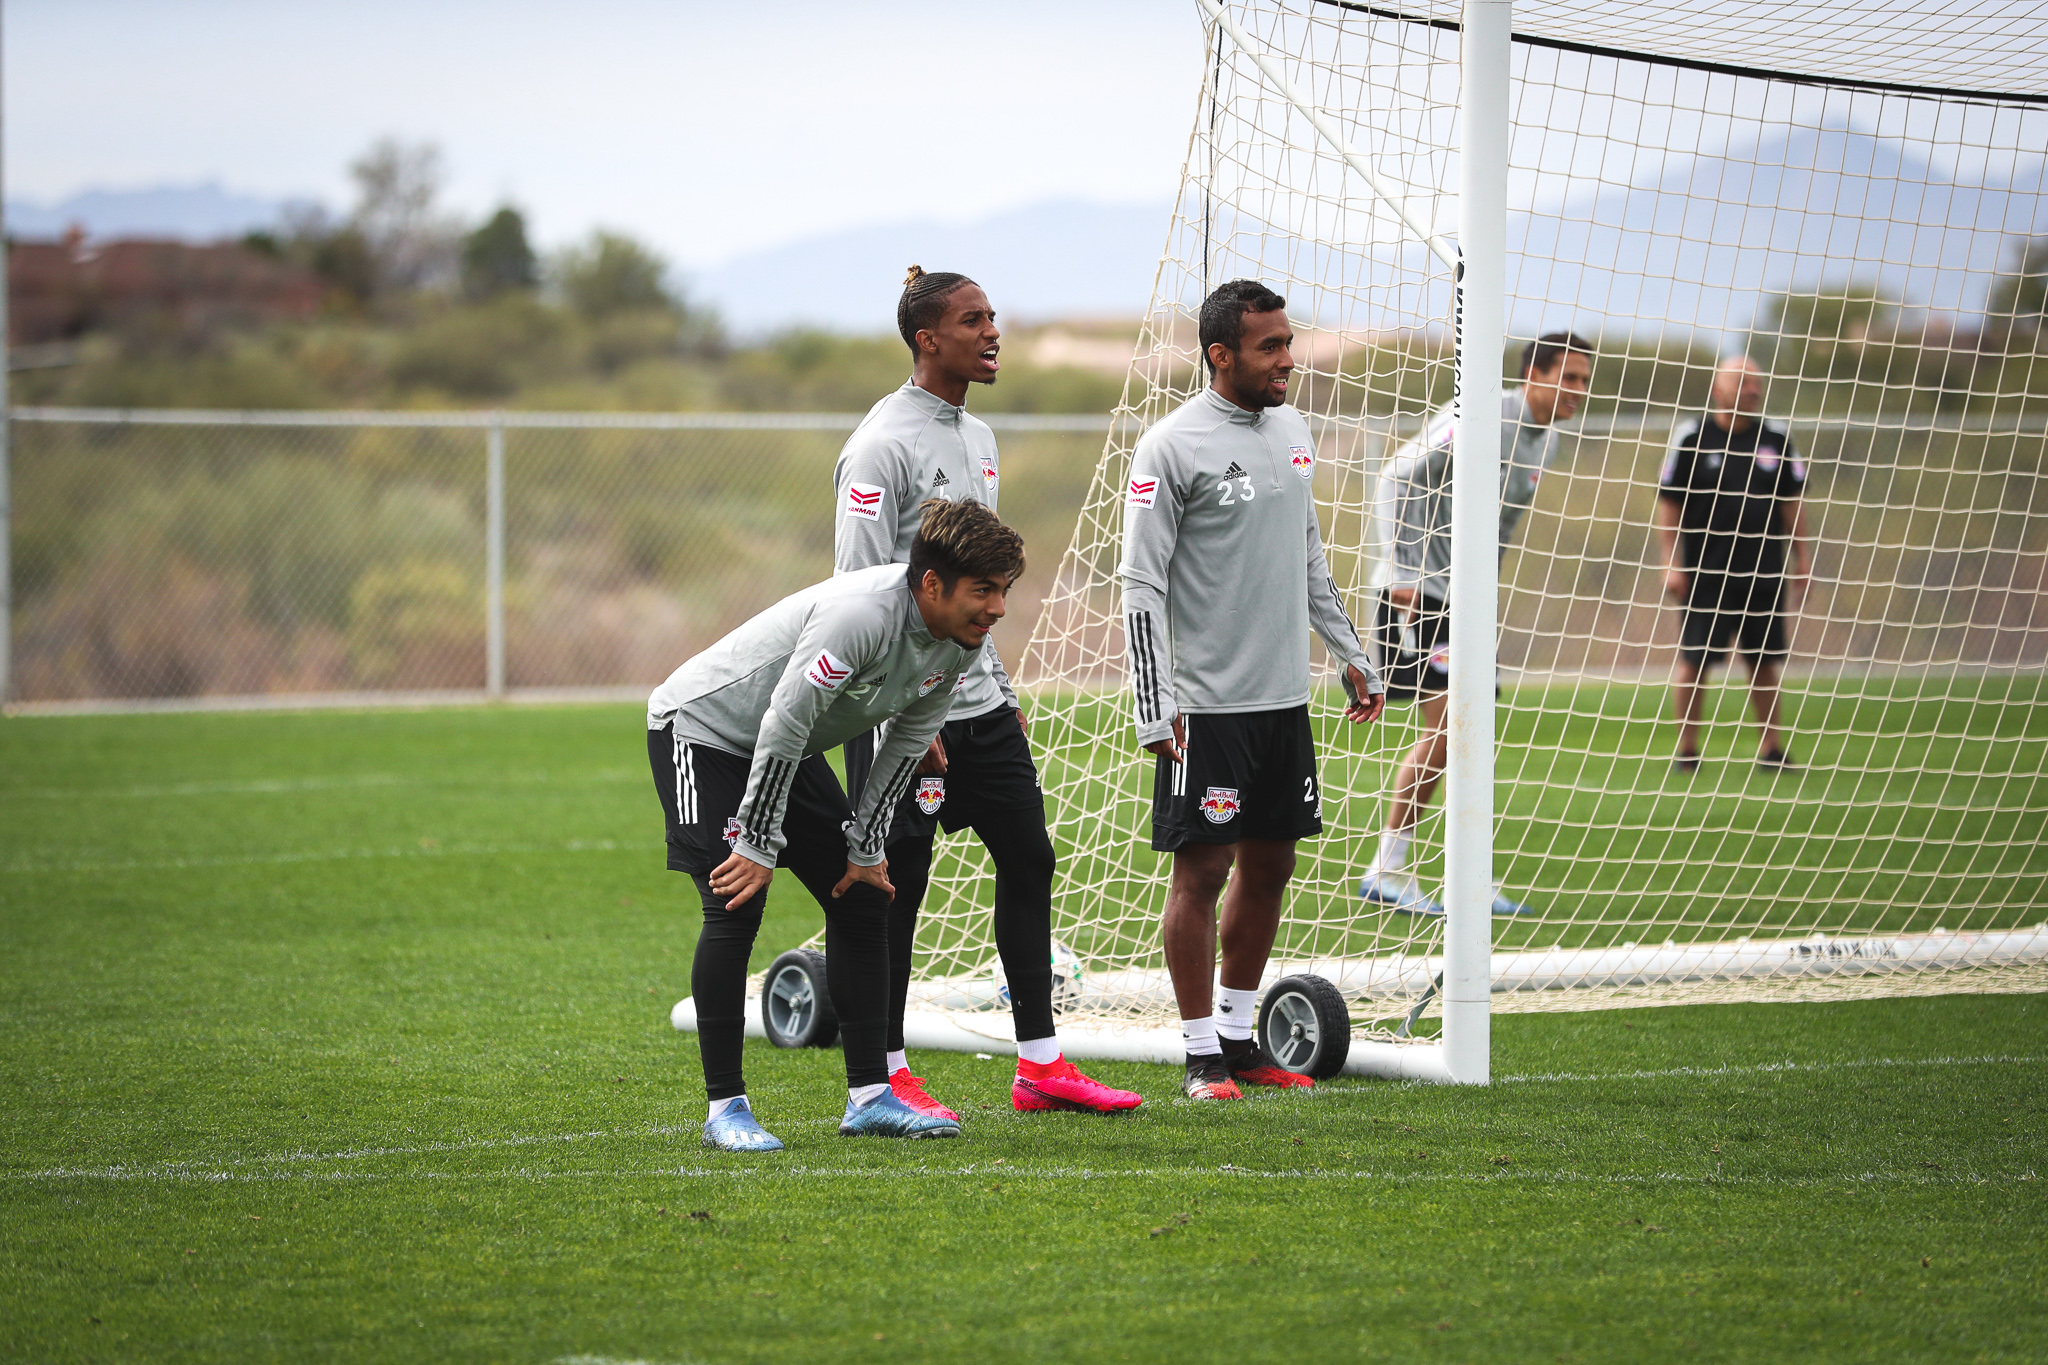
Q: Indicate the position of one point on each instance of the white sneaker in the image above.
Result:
(1399, 891)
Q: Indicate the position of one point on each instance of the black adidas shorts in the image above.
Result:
(989, 771)
(1749, 612)
(701, 789)
(1414, 656)
(1246, 775)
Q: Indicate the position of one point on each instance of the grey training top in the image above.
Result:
(1412, 509)
(911, 446)
(809, 673)
(1223, 569)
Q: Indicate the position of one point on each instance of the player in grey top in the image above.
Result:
(1412, 516)
(736, 739)
(1223, 574)
(920, 442)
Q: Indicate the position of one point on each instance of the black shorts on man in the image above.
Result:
(1244, 775)
(701, 790)
(989, 769)
(1747, 610)
(1414, 655)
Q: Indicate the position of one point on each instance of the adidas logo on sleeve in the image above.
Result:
(827, 672)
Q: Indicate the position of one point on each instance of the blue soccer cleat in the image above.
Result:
(736, 1131)
(1399, 892)
(1503, 905)
(887, 1116)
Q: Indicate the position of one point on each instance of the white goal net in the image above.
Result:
(1863, 210)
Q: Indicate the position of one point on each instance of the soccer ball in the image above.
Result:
(1066, 978)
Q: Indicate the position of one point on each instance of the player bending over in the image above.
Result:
(1729, 506)
(918, 443)
(736, 738)
(1413, 619)
(1223, 574)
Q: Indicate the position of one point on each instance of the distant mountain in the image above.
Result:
(1693, 243)
(1062, 258)
(194, 213)
(1705, 237)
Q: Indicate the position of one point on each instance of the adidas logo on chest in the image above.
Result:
(1236, 471)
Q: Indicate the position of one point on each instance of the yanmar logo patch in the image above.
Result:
(1304, 462)
(864, 500)
(826, 672)
(1143, 492)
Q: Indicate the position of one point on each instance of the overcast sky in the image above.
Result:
(708, 129)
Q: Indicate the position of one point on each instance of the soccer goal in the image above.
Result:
(1857, 200)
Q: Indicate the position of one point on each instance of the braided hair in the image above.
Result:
(924, 301)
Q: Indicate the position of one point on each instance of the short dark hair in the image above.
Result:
(963, 539)
(924, 301)
(1223, 313)
(1546, 352)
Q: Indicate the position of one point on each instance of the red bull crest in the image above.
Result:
(732, 830)
(1220, 805)
(931, 794)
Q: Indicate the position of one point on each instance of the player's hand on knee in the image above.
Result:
(739, 877)
(934, 762)
(876, 876)
(1677, 583)
(1175, 748)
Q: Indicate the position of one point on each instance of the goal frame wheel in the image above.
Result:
(1305, 1026)
(796, 1004)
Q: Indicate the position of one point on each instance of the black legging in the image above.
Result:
(856, 967)
(1022, 853)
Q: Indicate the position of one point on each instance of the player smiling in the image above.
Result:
(920, 442)
(1223, 575)
(736, 739)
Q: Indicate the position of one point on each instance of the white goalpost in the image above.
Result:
(1862, 209)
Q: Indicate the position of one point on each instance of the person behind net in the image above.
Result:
(1223, 574)
(919, 442)
(1412, 619)
(736, 739)
(1729, 506)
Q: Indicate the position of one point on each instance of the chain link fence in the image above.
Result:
(175, 557)
(211, 558)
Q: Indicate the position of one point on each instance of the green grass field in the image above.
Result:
(344, 1036)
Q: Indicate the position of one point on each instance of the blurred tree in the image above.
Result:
(2017, 313)
(496, 257)
(410, 243)
(612, 273)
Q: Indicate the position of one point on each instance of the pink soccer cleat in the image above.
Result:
(1057, 1085)
(910, 1089)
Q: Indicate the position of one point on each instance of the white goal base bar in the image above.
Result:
(964, 1014)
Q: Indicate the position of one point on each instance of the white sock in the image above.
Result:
(1199, 1037)
(898, 1061)
(1394, 850)
(862, 1095)
(718, 1108)
(1236, 1013)
(1041, 1051)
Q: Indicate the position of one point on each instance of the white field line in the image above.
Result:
(770, 1169)
(271, 786)
(334, 856)
(233, 1169)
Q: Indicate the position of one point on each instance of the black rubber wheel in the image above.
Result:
(1305, 1026)
(796, 1006)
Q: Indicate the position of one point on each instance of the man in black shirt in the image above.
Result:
(1728, 510)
